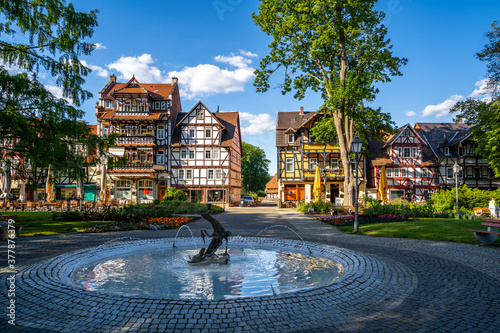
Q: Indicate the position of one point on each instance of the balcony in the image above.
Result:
(329, 173)
(135, 167)
(135, 140)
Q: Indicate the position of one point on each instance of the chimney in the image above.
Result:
(301, 110)
(217, 109)
(174, 80)
(113, 78)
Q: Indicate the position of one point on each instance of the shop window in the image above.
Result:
(122, 189)
(215, 195)
(145, 189)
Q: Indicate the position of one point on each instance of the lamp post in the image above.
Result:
(456, 170)
(223, 191)
(356, 146)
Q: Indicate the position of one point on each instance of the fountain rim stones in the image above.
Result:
(347, 259)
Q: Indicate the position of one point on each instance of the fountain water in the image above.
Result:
(177, 234)
(286, 227)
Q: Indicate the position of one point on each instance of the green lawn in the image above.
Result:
(41, 224)
(448, 230)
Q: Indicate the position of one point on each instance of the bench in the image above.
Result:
(481, 210)
(487, 237)
(4, 230)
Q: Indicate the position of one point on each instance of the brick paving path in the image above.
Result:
(397, 285)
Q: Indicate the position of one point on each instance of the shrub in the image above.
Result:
(319, 207)
(346, 220)
(176, 194)
(445, 200)
(403, 207)
(261, 194)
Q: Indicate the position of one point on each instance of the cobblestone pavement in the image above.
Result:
(392, 285)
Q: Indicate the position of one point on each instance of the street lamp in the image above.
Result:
(223, 191)
(356, 146)
(456, 170)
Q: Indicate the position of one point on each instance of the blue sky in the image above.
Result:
(214, 46)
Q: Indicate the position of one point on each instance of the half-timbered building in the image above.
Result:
(410, 166)
(299, 155)
(453, 143)
(142, 114)
(205, 155)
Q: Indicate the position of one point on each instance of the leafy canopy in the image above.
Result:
(254, 168)
(485, 114)
(52, 35)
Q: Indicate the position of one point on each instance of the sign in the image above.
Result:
(146, 191)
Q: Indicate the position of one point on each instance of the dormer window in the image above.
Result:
(163, 105)
(290, 138)
(157, 105)
(446, 151)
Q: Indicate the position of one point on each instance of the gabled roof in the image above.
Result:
(185, 115)
(440, 135)
(157, 91)
(293, 120)
(395, 136)
(272, 185)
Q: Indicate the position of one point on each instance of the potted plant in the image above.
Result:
(136, 161)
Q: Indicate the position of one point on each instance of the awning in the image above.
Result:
(74, 185)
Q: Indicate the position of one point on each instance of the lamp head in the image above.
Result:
(356, 145)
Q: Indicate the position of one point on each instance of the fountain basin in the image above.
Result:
(158, 270)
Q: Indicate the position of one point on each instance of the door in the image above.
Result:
(161, 192)
(334, 192)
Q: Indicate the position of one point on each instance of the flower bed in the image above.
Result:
(153, 223)
(345, 220)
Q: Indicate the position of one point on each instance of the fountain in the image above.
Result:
(208, 256)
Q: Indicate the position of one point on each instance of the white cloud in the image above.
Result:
(206, 79)
(411, 113)
(481, 90)
(256, 124)
(57, 92)
(141, 67)
(99, 46)
(248, 54)
(97, 69)
(442, 109)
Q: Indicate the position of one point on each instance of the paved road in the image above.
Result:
(451, 287)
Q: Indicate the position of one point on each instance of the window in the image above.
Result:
(334, 163)
(122, 189)
(425, 173)
(160, 158)
(407, 132)
(181, 174)
(163, 105)
(403, 172)
(400, 152)
(208, 133)
(406, 152)
(145, 189)
(428, 195)
(414, 152)
(191, 154)
(143, 156)
(313, 162)
(105, 130)
(127, 106)
(157, 105)
(449, 172)
(396, 172)
(143, 129)
(208, 154)
(160, 132)
(388, 172)
(183, 154)
(200, 114)
(215, 154)
(289, 165)
(290, 138)
(108, 104)
(210, 174)
(191, 133)
(215, 195)
(446, 150)
(189, 174)
(218, 174)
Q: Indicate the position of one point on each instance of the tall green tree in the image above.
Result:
(485, 113)
(39, 37)
(254, 168)
(338, 48)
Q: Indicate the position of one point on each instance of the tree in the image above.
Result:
(337, 48)
(491, 54)
(485, 114)
(254, 168)
(35, 126)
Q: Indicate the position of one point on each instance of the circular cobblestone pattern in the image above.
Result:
(48, 300)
